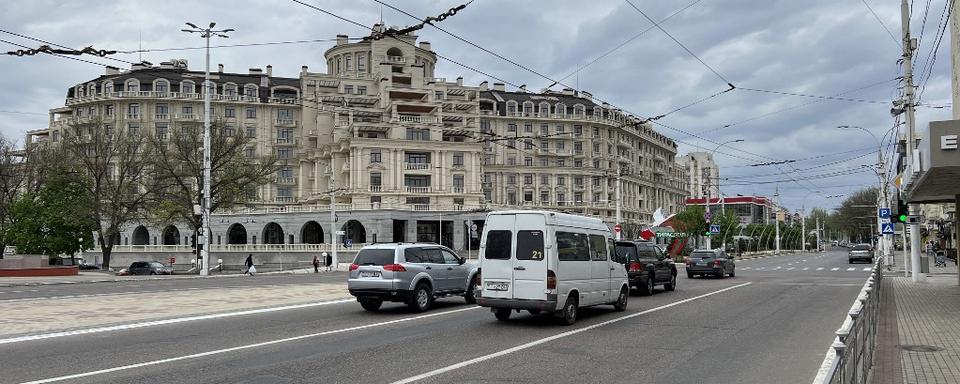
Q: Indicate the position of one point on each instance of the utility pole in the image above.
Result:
(619, 203)
(776, 220)
(909, 104)
(204, 238)
(818, 234)
(803, 232)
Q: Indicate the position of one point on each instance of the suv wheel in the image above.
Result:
(569, 310)
(472, 290)
(647, 289)
(733, 272)
(371, 305)
(672, 284)
(502, 314)
(422, 298)
(621, 304)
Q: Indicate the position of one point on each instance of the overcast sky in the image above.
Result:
(819, 47)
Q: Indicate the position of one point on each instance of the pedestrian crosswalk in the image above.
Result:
(781, 269)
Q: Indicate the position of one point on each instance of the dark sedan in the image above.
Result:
(148, 268)
(710, 262)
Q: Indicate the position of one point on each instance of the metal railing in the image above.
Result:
(230, 248)
(851, 354)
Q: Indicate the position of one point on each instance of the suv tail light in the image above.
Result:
(551, 280)
(636, 267)
(394, 268)
(354, 266)
(716, 263)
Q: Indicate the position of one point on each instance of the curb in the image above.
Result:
(116, 280)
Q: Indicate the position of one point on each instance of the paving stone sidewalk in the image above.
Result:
(926, 332)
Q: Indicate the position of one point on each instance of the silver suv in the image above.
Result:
(412, 273)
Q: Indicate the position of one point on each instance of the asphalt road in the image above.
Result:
(766, 325)
(89, 290)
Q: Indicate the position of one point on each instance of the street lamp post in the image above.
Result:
(204, 238)
(709, 244)
(803, 223)
(884, 200)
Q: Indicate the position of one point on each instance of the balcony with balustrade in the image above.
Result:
(417, 166)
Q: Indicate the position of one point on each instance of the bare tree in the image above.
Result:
(115, 160)
(236, 171)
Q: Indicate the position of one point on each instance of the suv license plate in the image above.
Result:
(369, 273)
(498, 286)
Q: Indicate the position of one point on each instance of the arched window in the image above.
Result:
(132, 85)
(92, 90)
(229, 89)
(511, 107)
(528, 108)
(108, 87)
(579, 110)
(544, 109)
(250, 90)
(561, 109)
(161, 86)
(396, 52)
(598, 112)
(187, 86)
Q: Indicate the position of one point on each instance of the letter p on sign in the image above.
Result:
(948, 142)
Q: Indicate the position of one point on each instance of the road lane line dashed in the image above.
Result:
(807, 268)
(555, 337)
(820, 268)
(835, 269)
(866, 269)
(155, 323)
(255, 345)
(791, 268)
(851, 269)
(745, 268)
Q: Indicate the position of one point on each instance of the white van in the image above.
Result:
(547, 261)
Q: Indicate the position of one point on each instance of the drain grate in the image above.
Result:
(921, 348)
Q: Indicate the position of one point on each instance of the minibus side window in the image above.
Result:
(529, 245)
(598, 248)
(572, 246)
(498, 245)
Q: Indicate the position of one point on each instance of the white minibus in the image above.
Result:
(552, 262)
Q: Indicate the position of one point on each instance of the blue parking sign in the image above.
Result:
(883, 213)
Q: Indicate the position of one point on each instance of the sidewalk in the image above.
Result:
(918, 335)
(106, 277)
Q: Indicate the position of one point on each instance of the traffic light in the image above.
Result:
(899, 212)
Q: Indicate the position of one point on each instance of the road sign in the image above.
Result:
(341, 233)
(887, 229)
(173, 260)
(715, 228)
(883, 213)
(617, 228)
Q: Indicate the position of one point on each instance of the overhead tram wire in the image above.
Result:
(632, 38)
(284, 42)
(875, 16)
(57, 55)
(58, 45)
(932, 57)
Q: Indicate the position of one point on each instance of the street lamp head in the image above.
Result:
(228, 30)
(223, 36)
(192, 25)
(212, 24)
(187, 30)
(738, 141)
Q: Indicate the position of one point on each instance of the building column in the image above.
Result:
(458, 234)
(441, 170)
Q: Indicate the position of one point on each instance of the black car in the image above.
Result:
(149, 268)
(647, 266)
(713, 262)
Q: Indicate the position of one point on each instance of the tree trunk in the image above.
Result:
(105, 250)
(3, 249)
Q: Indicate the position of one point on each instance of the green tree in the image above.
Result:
(12, 182)
(55, 220)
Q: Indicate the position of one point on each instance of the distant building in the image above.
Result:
(750, 209)
(702, 173)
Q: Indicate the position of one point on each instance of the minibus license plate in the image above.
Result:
(497, 286)
(369, 273)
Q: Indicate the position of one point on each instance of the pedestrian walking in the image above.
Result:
(251, 269)
(316, 264)
(328, 261)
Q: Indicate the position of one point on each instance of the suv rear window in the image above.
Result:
(626, 251)
(498, 245)
(703, 254)
(861, 247)
(374, 257)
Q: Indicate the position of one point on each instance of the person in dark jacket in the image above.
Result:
(316, 264)
(249, 264)
(328, 261)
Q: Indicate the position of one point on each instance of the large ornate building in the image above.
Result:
(407, 156)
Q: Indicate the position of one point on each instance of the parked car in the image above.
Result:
(146, 268)
(647, 266)
(543, 261)
(714, 262)
(412, 273)
(860, 252)
(85, 265)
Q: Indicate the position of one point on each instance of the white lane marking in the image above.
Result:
(555, 337)
(155, 323)
(791, 268)
(851, 269)
(835, 269)
(806, 268)
(819, 268)
(777, 268)
(759, 268)
(745, 268)
(242, 347)
(866, 269)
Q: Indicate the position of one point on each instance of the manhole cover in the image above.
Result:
(921, 348)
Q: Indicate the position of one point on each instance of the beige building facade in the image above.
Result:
(703, 174)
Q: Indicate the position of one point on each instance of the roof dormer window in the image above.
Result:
(132, 85)
(161, 86)
(250, 90)
(230, 89)
(187, 86)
